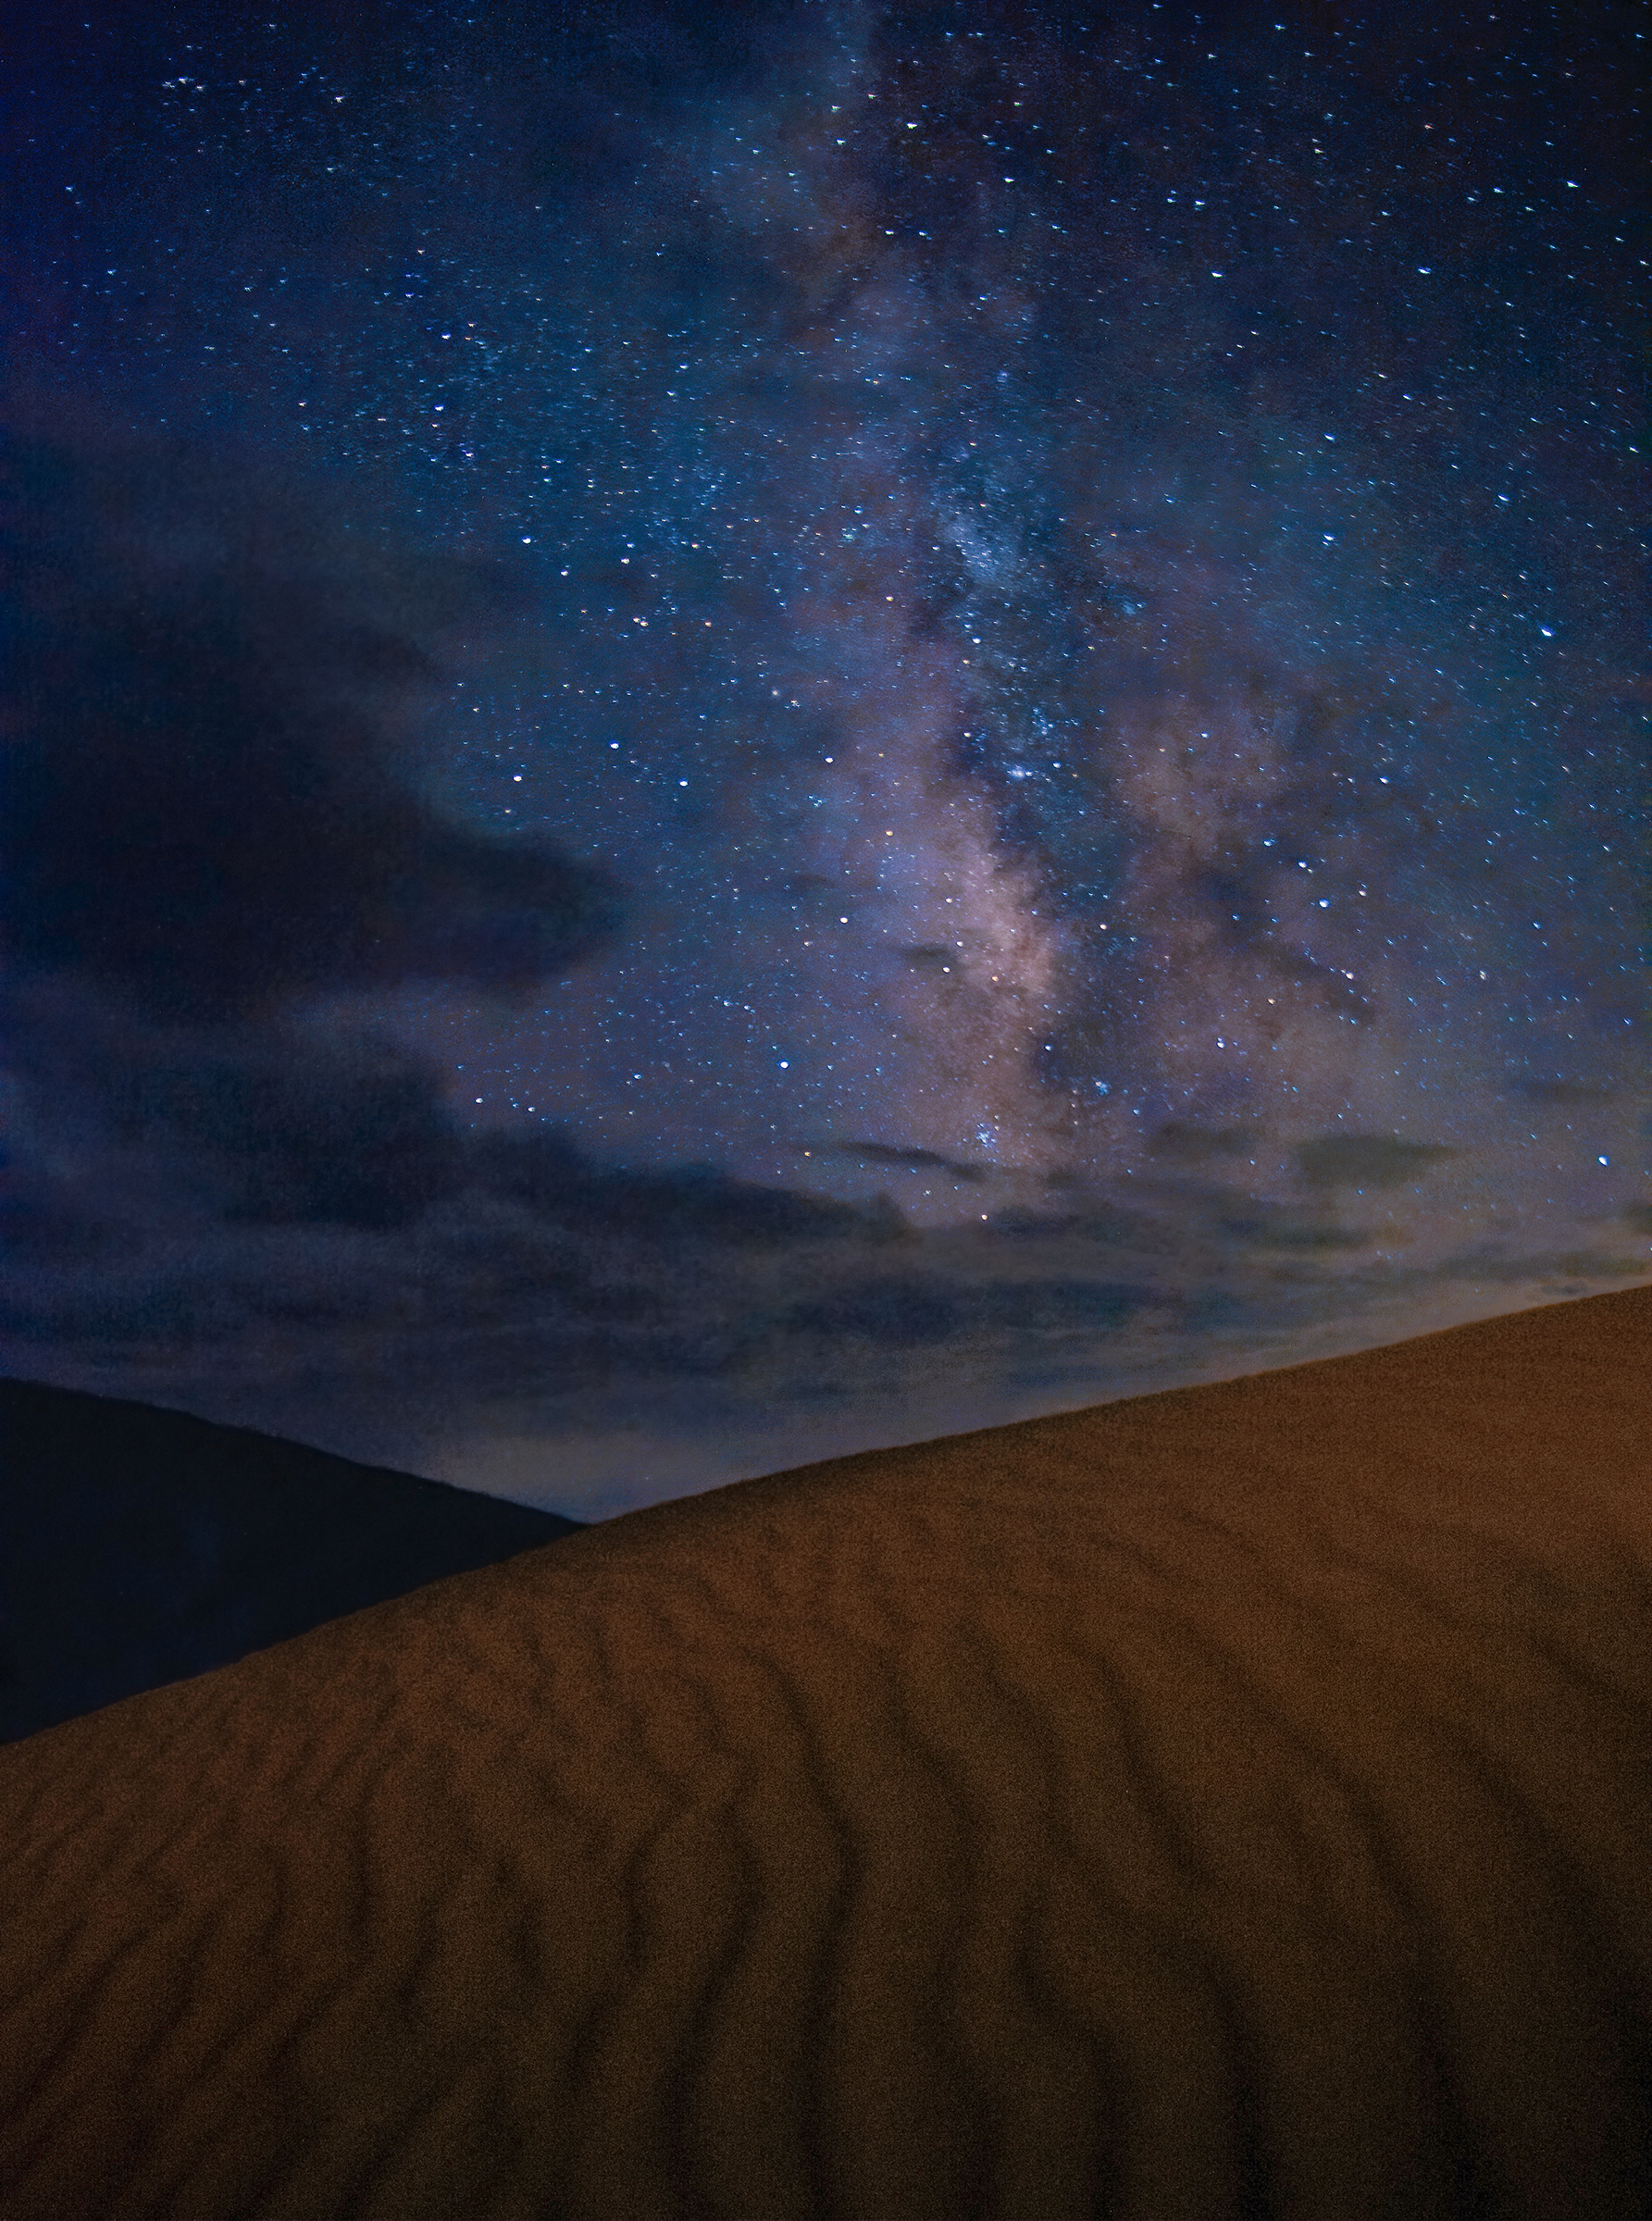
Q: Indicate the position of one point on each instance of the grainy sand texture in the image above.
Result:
(1235, 1801)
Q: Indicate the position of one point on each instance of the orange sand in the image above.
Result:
(1236, 1801)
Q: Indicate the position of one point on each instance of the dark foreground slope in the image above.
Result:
(1229, 1802)
(140, 1545)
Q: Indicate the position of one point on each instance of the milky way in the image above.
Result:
(1014, 636)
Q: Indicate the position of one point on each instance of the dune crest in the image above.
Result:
(1234, 1801)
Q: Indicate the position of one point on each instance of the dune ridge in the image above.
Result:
(1234, 1801)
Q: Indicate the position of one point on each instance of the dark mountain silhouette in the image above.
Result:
(142, 1545)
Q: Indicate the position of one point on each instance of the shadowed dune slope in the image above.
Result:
(1234, 1801)
(140, 1545)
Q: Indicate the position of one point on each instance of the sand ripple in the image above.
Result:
(1232, 1802)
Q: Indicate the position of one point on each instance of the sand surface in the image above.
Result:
(1236, 1801)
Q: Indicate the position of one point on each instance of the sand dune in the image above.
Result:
(1236, 1801)
(141, 1545)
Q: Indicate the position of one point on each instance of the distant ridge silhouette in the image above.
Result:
(141, 1545)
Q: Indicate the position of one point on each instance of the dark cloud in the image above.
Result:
(204, 813)
(1260, 1226)
(1583, 1093)
(877, 1152)
(690, 1203)
(1367, 1159)
(342, 1133)
(280, 1125)
(1181, 1143)
(906, 1313)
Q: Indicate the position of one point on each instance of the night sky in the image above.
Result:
(738, 731)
